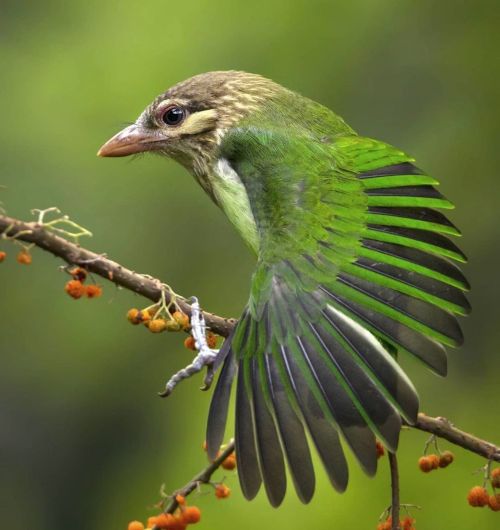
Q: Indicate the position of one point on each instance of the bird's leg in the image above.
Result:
(205, 357)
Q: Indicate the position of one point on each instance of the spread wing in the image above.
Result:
(355, 265)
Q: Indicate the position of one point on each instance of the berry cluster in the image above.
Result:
(408, 523)
(76, 287)
(155, 321)
(179, 520)
(478, 496)
(431, 462)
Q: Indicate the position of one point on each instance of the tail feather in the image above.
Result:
(292, 433)
(272, 465)
(323, 433)
(248, 465)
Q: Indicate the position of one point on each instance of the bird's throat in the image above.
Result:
(230, 195)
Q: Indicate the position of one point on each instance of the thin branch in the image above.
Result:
(152, 288)
(393, 464)
(443, 428)
(203, 477)
(99, 264)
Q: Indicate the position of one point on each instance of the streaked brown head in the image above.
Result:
(188, 121)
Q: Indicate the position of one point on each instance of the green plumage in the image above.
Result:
(320, 196)
(354, 266)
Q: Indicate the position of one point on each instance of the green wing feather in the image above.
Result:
(354, 261)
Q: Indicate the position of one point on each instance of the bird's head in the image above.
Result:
(189, 120)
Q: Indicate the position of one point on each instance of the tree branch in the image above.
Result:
(443, 428)
(203, 477)
(152, 288)
(73, 254)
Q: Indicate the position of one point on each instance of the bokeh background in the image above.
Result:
(84, 441)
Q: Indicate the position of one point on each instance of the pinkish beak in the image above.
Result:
(131, 140)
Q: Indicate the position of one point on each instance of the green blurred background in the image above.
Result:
(84, 441)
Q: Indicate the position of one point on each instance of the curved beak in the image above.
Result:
(131, 140)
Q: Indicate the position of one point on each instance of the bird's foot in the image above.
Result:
(206, 356)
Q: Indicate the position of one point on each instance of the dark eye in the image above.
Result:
(173, 115)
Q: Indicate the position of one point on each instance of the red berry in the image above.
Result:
(24, 257)
(494, 502)
(135, 525)
(446, 459)
(3, 255)
(434, 460)
(191, 515)
(425, 464)
(407, 523)
(189, 343)
(380, 449)
(478, 497)
(75, 289)
(230, 462)
(495, 477)
(93, 291)
(222, 491)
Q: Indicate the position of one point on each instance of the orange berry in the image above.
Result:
(425, 464)
(171, 522)
(164, 520)
(3, 255)
(93, 291)
(137, 316)
(152, 521)
(75, 289)
(157, 325)
(181, 500)
(495, 477)
(434, 460)
(191, 515)
(380, 449)
(222, 491)
(78, 274)
(478, 497)
(446, 459)
(211, 340)
(494, 502)
(24, 257)
(385, 525)
(230, 462)
(132, 315)
(135, 525)
(181, 318)
(407, 523)
(189, 343)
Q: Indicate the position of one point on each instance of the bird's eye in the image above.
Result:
(173, 115)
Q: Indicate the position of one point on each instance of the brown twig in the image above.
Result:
(443, 428)
(393, 464)
(203, 477)
(151, 288)
(73, 254)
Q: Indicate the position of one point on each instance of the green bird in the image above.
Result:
(354, 266)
